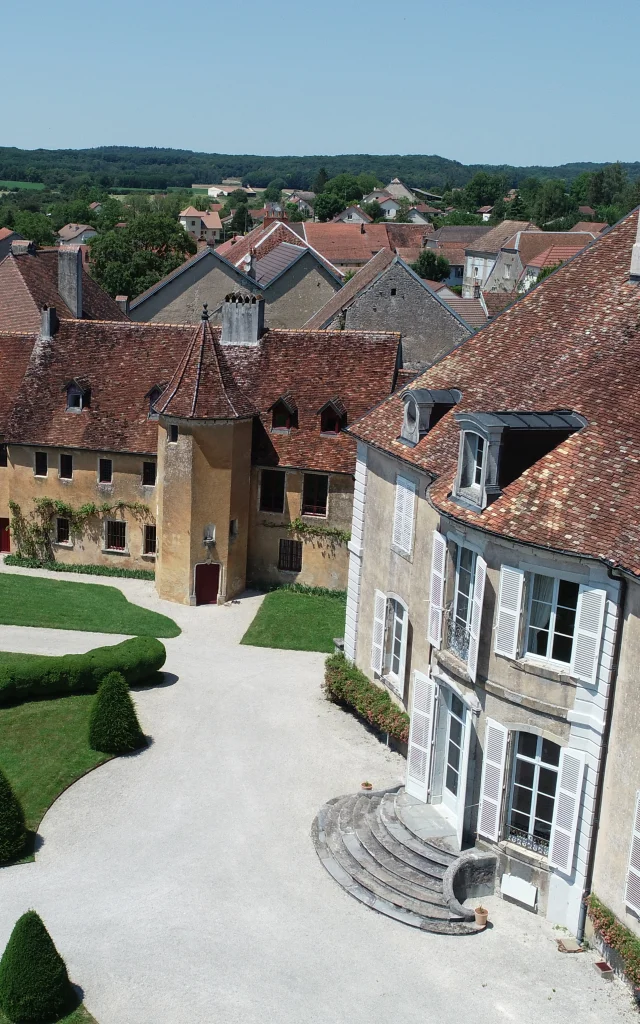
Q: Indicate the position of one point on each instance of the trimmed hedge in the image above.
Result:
(13, 833)
(34, 984)
(88, 570)
(347, 685)
(32, 676)
(114, 727)
(617, 936)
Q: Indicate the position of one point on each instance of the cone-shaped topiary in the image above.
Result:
(34, 984)
(13, 834)
(114, 727)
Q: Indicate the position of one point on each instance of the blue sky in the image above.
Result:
(482, 82)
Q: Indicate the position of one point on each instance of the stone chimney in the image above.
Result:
(123, 302)
(70, 278)
(635, 257)
(242, 319)
(48, 323)
(23, 247)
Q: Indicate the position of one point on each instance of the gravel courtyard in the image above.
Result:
(182, 886)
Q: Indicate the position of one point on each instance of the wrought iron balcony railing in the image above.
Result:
(527, 840)
(458, 636)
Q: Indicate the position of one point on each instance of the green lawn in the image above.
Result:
(22, 184)
(79, 1016)
(61, 604)
(297, 622)
(44, 748)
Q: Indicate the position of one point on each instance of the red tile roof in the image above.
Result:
(572, 342)
(596, 227)
(497, 301)
(553, 255)
(123, 362)
(471, 310)
(30, 281)
(6, 233)
(347, 243)
(529, 243)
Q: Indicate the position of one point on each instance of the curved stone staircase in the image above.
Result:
(374, 855)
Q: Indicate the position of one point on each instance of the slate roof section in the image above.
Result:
(30, 281)
(277, 261)
(345, 296)
(572, 342)
(123, 362)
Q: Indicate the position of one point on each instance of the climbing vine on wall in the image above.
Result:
(316, 530)
(31, 531)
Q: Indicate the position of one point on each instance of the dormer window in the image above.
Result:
(153, 396)
(78, 395)
(474, 447)
(423, 408)
(333, 417)
(284, 414)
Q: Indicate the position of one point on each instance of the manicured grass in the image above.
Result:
(44, 748)
(79, 1016)
(58, 604)
(297, 622)
(22, 184)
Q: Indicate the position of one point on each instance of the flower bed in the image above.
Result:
(617, 937)
(345, 684)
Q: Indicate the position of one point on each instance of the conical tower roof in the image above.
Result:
(203, 386)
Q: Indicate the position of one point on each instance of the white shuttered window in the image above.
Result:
(566, 810)
(476, 616)
(509, 609)
(632, 890)
(425, 695)
(377, 637)
(493, 763)
(436, 606)
(588, 634)
(403, 514)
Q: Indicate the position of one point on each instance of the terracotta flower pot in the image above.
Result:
(481, 914)
(366, 785)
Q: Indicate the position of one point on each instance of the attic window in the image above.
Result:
(154, 395)
(284, 415)
(78, 395)
(423, 408)
(333, 417)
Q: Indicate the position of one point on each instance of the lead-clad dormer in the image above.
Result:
(497, 447)
(423, 407)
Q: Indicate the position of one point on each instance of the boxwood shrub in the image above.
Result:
(34, 984)
(113, 726)
(33, 676)
(88, 570)
(347, 685)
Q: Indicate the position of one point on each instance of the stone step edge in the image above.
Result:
(406, 838)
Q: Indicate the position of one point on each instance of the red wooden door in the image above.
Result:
(207, 582)
(5, 539)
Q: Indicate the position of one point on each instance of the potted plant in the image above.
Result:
(481, 914)
(366, 785)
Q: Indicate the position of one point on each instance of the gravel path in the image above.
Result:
(182, 886)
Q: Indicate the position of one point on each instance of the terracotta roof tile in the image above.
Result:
(597, 227)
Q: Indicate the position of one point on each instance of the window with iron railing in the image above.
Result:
(533, 792)
(459, 614)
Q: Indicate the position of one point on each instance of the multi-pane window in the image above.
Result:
(272, 483)
(149, 539)
(3, 455)
(395, 640)
(461, 606)
(116, 534)
(62, 531)
(105, 471)
(552, 617)
(290, 556)
(533, 791)
(149, 474)
(472, 461)
(66, 467)
(41, 464)
(314, 494)
(455, 728)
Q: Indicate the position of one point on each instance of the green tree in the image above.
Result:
(546, 271)
(346, 187)
(294, 213)
(402, 215)
(241, 221)
(328, 205)
(368, 182)
(129, 260)
(551, 201)
(113, 724)
(34, 984)
(374, 210)
(500, 211)
(273, 191)
(320, 181)
(457, 218)
(431, 265)
(516, 210)
(13, 834)
(35, 226)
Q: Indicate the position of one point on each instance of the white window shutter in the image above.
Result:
(493, 764)
(436, 607)
(403, 652)
(403, 514)
(586, 642)
(509, 606)
(423, 707)
(632, 890)
(476, 616)
(377, 639)
(566, 808)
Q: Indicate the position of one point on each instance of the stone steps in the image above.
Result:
(363, 844)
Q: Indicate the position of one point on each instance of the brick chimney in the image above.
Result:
(123, 302)
(242, 319)
(70, 278)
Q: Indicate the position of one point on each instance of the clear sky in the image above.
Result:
(481, 81)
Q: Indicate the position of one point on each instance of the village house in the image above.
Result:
(273, 262)
(481, 254)
(422, 213)
(353, 215)
(485, 212)
(518, 252)
(494, 588)
(75, 234)
(7, 237)
(387, 291)
(201, 224)
(450, 242)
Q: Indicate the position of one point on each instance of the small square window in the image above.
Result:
(393, 291)
(62, 531)
(105, 471)
(66, 467)
(272, 483)
(3, 455)
(150, 541)
(290, 556)
(148, 474)
(116, 534)
(173, 433)
(41, 464)
(74, 400)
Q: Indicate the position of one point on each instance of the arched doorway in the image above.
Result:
(207, 582)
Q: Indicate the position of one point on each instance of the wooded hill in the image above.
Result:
(152, 168)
